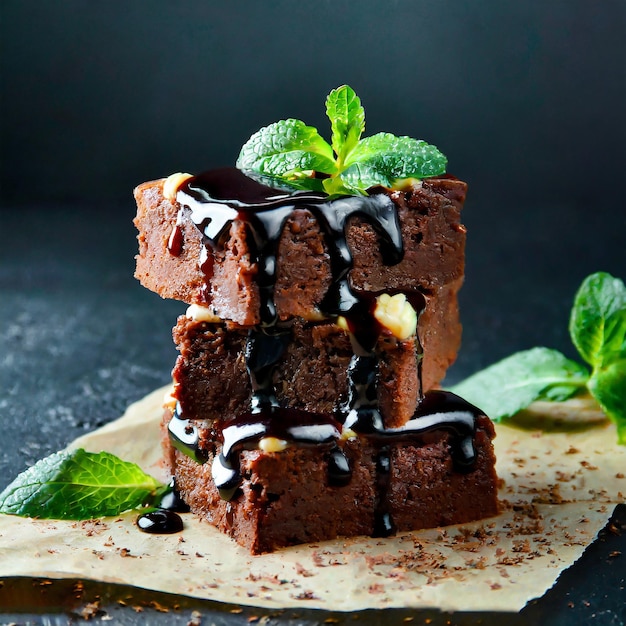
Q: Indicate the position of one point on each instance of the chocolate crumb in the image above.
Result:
(306, 595)
(588, 465)
(302, 571)
(125, 552)
(521, 546)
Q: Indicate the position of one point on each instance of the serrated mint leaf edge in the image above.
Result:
(383, 159)
(283, 137)
(482, 387)
(287, 165)
(355, 182)
(23, 496)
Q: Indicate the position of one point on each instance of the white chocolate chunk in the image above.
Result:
(342, 322)
(199, 313)
(169, 401)
(172, 183)
(396, 314)
(272, 444)
(406, 184)
(348, 433)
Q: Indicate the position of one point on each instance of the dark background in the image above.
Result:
(527, 100)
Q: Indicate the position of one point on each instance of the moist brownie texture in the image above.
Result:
(212, 381)
(305, 403)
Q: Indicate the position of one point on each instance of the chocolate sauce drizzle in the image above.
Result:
(294, 426)
(218, 197)
(215, 199)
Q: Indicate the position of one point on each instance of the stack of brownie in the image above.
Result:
(305, 404)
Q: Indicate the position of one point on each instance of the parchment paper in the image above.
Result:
(558, 490)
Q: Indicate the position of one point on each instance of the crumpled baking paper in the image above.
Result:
(558, 490)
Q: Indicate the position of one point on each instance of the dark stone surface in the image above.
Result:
(80, 340)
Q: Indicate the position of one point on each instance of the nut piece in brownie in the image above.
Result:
(302, 406)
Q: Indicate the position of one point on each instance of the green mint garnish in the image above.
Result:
(79, 485)
(294, 153)
(598, 330)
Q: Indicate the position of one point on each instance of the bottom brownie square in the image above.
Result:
(353, 485)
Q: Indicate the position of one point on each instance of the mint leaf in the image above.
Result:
(347, 120)
(597, 325)
(614, 344)
(284, 148)
(598, 330)
(79, 485)
(506, 387)
(608, 386)
(384, 158)
(291, 152)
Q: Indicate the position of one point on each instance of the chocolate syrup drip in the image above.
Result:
(436, 410)
(299, 427)
(339, 470)
(219, 197)
(165, 519)
(213, 201)
(361, 411)
(264, 348)
(383, 521)
(172, 501)
(161, 522)
(175, 242)
(185, 437)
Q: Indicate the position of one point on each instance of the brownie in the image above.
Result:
(212, 381)
(290, 497)
(305, 404)
(433, 237)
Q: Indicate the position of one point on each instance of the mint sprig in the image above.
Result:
(79, 485)
(597, 328)
(292, 152)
